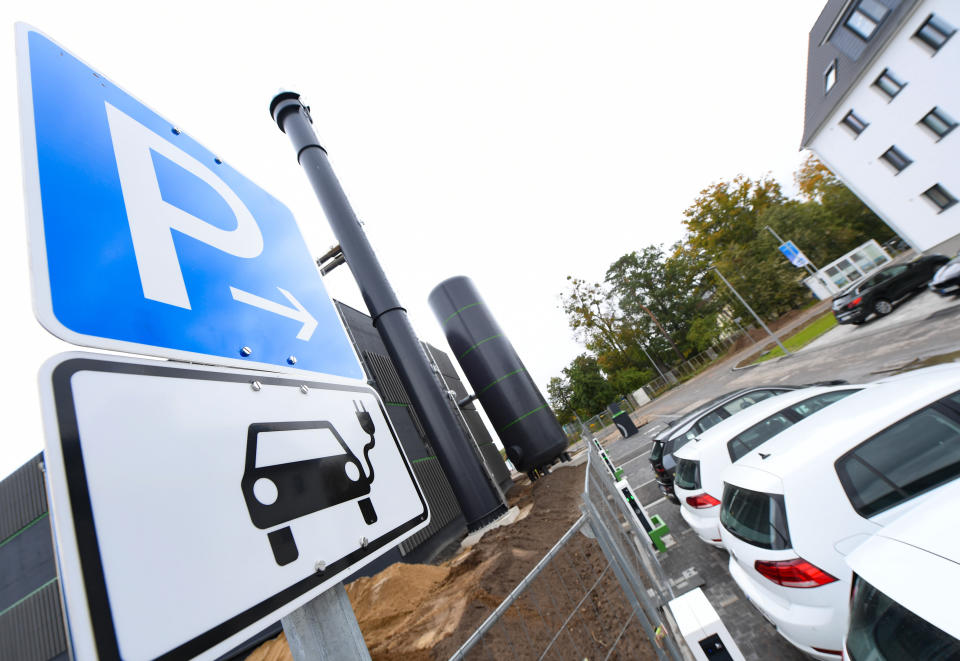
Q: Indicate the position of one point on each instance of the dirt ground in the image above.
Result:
(425, 612)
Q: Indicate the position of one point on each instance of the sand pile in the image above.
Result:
(426, 612)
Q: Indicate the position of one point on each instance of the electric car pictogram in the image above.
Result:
(278, 493)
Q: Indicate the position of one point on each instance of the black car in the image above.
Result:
(946, 281)
(877, 293)
(677, 433)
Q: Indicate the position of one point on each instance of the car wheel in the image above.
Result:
(883, 307)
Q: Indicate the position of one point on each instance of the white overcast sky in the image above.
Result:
(512, 142)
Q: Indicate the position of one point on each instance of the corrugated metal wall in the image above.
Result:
(31, 618)
(443, 504)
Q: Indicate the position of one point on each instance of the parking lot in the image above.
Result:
(920, 331)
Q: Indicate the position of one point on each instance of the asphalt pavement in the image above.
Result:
(921, 330)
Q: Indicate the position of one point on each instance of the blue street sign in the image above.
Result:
(143, 241)
(793, 254)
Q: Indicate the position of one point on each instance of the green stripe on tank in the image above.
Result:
(529, 413)
(620, 413)
(487, 387)
(417, 461)
(465, 307)
(486, 339)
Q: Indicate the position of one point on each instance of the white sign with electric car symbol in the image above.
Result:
(194, 506)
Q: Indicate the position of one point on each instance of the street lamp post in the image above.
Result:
(776, 339)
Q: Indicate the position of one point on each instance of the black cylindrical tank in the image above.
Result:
(520, 415)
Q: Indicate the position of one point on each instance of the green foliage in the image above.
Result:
(662, 306)
(662, 294)
(560, 392)
(704, 331)
(590, 392)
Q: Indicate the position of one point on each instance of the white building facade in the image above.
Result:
(882, 109)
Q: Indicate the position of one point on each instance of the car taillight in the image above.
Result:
(702, 501)
(855, 302)
(796, 573)
(826, 651)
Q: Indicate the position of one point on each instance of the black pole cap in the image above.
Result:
(283, 104)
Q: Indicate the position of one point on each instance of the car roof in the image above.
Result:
(915, 560)
(845, 424)
(743, 420)
(676, 426)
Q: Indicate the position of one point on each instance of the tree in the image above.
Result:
(725, 226)
(726, 213)
(818, 184)
(598, 323)
(560, 393)
(660, 293)
(590, 392)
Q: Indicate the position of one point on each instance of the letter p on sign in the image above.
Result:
(152, 218)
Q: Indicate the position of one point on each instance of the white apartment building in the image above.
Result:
(883, 100)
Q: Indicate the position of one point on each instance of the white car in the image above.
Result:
(698, 482)
(905, 582)
(820, 488)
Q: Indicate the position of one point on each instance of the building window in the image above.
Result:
(935, 32)
(830, 77)
(889, 85)
(940, 196)
(854, 123)
(939, 122)
(896, 158)
(865, 18)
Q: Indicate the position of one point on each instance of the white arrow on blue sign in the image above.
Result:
(142, 240)
(793, 254)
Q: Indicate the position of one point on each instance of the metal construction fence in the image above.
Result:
(658, 386)
(687, 367)
(599, 593)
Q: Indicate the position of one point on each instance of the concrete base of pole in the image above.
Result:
(325, 629)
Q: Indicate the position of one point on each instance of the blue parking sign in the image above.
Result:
(143, 241)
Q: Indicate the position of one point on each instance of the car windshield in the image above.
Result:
(758, 518)
(880, 628)
(688, 474)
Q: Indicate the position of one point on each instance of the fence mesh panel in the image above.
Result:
(597, 594)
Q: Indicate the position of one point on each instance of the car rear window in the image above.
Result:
(656, 454)
(758, 518)
(766, 429)
(880, 628)
(918, 453)
(757, 435)
(688, 474)
(748, 400)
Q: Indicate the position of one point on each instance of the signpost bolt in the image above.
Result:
(364, 541)
(256, 386)
(304, 389)
(320, 566)
(245, 351)
(291, 360)
(175, 130)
